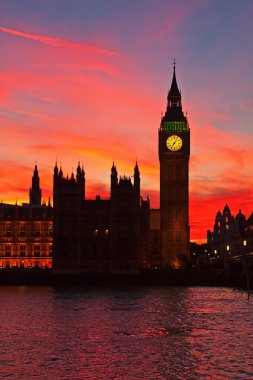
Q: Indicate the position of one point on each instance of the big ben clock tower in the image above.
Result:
(174, 154)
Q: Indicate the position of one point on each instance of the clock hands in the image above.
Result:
(174, 143)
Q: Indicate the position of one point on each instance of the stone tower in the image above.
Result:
(174, 154)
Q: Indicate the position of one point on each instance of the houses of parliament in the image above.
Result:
(119, 234)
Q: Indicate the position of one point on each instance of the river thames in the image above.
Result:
(125, 333)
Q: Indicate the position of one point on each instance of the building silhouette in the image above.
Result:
(116, 235)
(99, 235)
(228, 236)
(26, 232)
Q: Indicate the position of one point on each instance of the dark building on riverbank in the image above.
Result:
(99, 235)
(228, 237)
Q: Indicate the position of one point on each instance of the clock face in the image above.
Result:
(174, 143)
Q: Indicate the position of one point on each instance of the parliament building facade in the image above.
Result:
(119, 234)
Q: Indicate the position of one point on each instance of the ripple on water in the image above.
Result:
(142, 333)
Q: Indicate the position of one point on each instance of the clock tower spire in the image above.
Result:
(174, 154)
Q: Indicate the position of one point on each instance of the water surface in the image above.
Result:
(128, 333)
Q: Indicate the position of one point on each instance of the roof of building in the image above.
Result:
(25, 212)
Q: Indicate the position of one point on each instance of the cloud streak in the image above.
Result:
(58, 42)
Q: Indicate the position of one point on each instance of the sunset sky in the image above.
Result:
(87, 80)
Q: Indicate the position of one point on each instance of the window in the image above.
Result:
(227, 227)
(22, 250)
(8, 230)
(37, 230)
(22, 232)
(50, 230)
(95, 232)
(8, 250)
(36, 250)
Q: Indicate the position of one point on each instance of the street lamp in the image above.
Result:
(244, 246)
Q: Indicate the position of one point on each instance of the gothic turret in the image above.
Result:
(35, 191)
(80, 178)
(114, 178)
(137, 179)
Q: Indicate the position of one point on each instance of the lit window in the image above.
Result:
(244, 243)
(106, 232)
(228, 247)
(50, 230)
(95, 232)
(227, 227)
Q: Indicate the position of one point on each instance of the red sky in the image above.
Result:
(88, 82)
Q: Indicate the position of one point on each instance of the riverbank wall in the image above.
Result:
(189, 277)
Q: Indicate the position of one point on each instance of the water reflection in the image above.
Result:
(135, 333)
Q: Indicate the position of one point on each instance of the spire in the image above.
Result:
(174, 111)
(174, 96)
(35, 191)
(61, 172)
(114, 178)
(113, 169)
(137, 179)
(78, 169)
(174, 91)
(136, 168)
(56, 170)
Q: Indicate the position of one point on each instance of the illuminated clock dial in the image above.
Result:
(174, 143)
